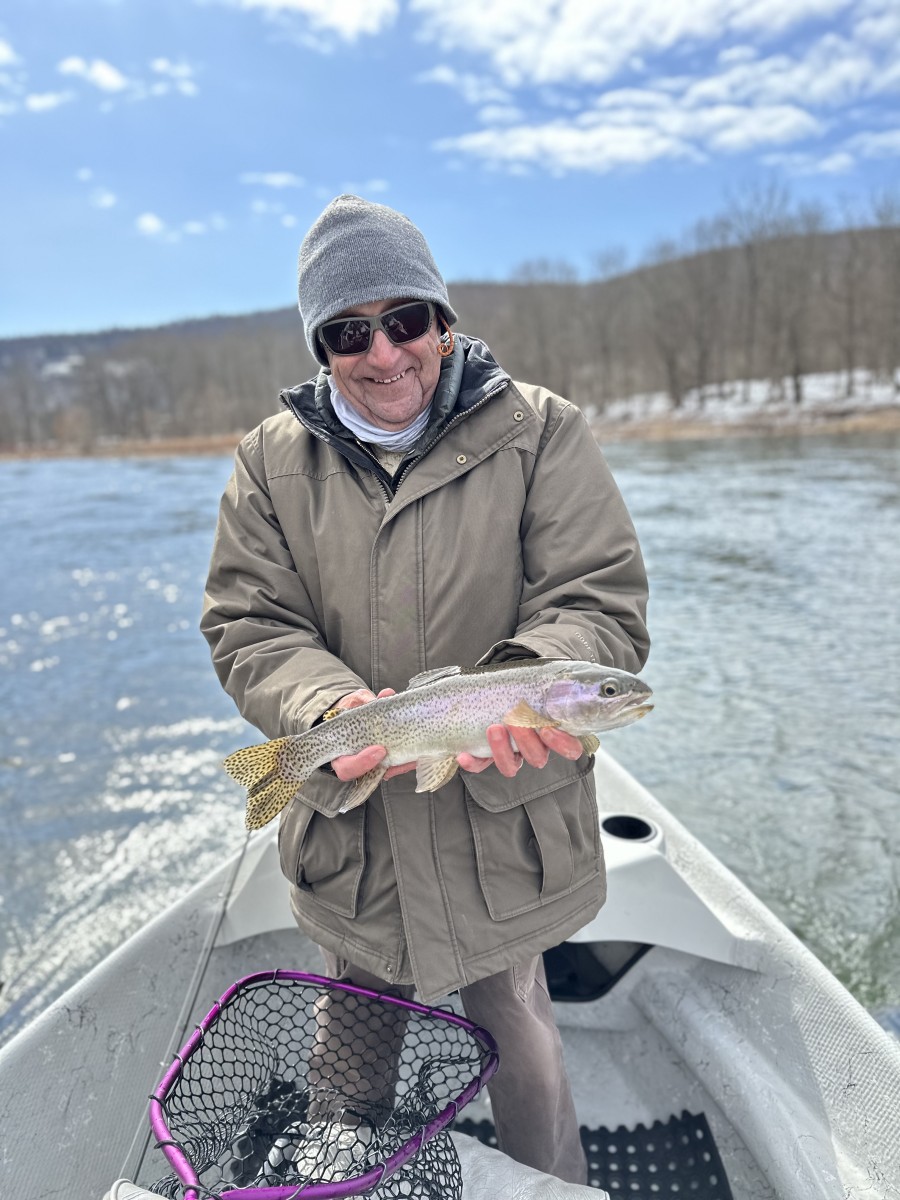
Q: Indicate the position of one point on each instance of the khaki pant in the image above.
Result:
(530, 1095)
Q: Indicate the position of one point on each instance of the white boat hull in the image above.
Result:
(728, 1014)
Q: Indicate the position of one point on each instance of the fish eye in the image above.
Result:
(610, 688)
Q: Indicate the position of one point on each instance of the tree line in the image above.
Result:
(768, 289)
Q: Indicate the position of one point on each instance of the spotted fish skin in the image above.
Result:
(441, 714)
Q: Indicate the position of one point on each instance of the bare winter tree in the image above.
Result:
(756, 213)
(885, 208)
(701, 279)
(605, 315)
(663, 315)
(764, 290)
(846, 273)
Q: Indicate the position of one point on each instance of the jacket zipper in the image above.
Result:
(446, 429)
(376, 465)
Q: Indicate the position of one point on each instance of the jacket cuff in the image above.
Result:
(507, 651)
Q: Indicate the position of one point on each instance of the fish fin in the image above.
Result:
(254, 763)
(523, 715)
(430, 676)
(433, 773)
(363, 787)
(258, 768)
(589, 743)
(510, 664)
(448, 672)
(266, 802)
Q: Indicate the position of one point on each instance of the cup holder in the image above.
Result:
(629, 828)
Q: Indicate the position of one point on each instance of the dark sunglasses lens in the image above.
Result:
(407, 323)
(346, 337)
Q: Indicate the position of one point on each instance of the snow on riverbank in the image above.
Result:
(830, 402)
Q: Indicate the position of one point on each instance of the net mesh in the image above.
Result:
(294, 1081)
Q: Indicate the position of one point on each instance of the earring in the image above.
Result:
(445, 349)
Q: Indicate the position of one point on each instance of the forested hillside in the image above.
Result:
(763, 292)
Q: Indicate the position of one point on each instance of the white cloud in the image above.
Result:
(878, 22)
(629, 128)
(288, 221)
(837, 163)
(176, 77)
(46, 101)
(104, 198)
(833, 72)
(349, 19)
(560, 113)
(368, 187)
(474, 89)
(150, 225)
(101, 74)
(8, 56)
(165, 66)
(562, 146)
(273, 179)
(573, 42)
(882, 144)
(84, 174)
(263, 208)
(500, 114)
(166, 77)
(737, 54)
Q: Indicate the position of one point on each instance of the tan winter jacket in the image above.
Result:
(507, 538)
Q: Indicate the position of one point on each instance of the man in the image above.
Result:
(414, 508)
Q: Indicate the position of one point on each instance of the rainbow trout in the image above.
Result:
(441, 714)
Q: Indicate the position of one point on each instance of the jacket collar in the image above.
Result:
(467, 376)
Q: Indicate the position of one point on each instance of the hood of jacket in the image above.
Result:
(468, 376)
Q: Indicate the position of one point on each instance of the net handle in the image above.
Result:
(316, 1191)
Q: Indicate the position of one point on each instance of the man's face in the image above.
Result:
(388, 385)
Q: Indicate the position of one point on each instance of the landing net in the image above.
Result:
(295, 1086)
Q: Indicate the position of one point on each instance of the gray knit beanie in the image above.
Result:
(358, 252)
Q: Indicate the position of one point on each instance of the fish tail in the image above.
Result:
(259, 769)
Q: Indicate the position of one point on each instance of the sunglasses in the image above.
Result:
(353, 335)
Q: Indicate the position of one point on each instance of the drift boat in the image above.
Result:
(711, 1054)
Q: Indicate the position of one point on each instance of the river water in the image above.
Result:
(775, 571)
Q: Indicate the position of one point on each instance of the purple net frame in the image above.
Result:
(183, 1168)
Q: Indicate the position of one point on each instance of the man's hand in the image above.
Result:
(351, 766)
(534, 746)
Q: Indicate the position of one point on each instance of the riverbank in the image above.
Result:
(670, 427)
(692, 427)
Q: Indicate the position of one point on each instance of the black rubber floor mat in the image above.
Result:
(678, 1158)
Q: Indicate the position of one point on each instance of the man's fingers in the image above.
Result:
(351, 766)
(401, 769)
(563, 743)
(473, 764)
(355, 699)
(530, 745)
(507, 760)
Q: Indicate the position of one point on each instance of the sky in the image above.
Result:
(162, 159)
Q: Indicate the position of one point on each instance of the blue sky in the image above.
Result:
(161, 159)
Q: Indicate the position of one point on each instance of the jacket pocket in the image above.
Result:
(539, 851)
(324, 856)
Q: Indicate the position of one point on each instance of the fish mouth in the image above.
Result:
(633, 710)
(640, 711)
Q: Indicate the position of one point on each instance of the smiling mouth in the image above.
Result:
(393, 378)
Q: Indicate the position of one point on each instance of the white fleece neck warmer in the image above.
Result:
(402, 439)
